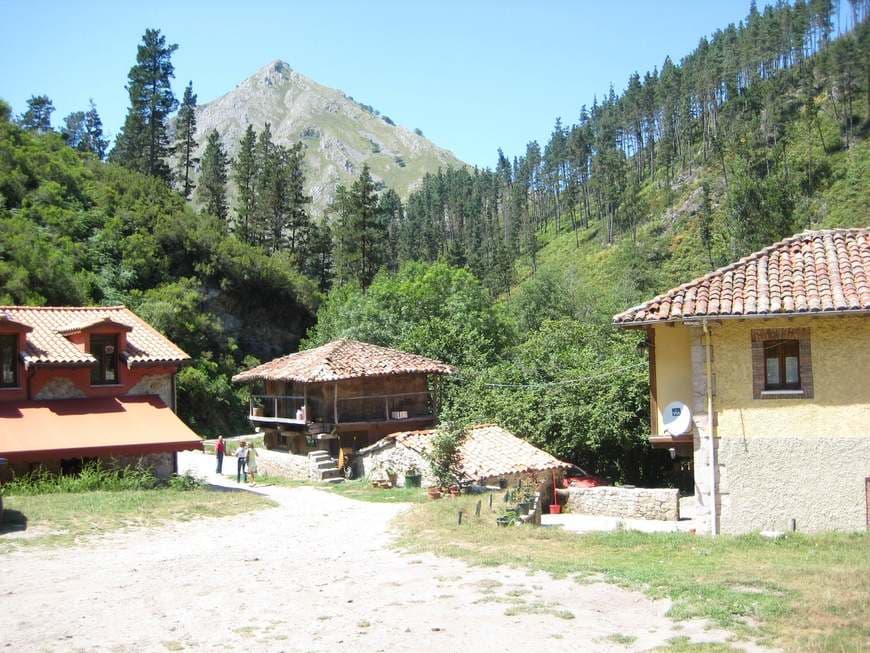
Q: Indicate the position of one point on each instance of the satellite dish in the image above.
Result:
(677, 418)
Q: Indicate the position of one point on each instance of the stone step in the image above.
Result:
(332, 472)
(318, 453)
(337, 479)
(323, 464)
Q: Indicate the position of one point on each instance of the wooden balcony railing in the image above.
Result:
(293, 409)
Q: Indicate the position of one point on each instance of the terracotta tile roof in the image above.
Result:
(343, 359)
(488, 451)
(47, 344)
(814, 272)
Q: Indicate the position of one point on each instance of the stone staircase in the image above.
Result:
(322, 467)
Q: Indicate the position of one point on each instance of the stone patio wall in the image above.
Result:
(630, 503)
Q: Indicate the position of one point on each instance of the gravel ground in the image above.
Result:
(315, 574)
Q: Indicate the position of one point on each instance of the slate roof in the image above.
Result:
(487, 451)
(47, 343)
(343, 359)
(814, 272)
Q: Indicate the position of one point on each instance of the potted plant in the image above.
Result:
(413, 477)
(393, 476)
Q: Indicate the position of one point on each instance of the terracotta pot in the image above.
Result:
(454, 490)
(434, 493)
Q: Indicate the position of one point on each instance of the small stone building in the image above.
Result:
(79, 383)
(490, 455)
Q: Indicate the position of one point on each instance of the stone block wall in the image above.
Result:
(279, 463)
(375, 463)
(155, 384)
(163, 464)
(629, 503)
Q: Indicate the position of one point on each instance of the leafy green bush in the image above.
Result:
(184, 482)
(444, 457)
(94, 476)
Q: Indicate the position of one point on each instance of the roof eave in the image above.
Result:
(697, 319)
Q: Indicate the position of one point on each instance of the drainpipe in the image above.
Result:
(714, 529)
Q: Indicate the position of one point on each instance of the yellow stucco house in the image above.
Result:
(771, 355)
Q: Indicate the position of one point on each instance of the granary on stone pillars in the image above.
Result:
(769, 358)
(343, 395)
(87, 382)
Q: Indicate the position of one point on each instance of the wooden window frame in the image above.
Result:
(782, 349)
(14, 338)
(98, 342)
(762, 338)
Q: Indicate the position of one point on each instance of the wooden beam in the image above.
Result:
(335, 402)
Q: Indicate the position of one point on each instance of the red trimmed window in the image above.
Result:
(9, 361)
(105, 349)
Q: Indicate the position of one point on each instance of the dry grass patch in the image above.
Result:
(65, 519)
(803, 593)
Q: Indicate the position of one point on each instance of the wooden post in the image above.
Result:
(387, 408)
(459, 518)
(335, 403)
(275, 406)
(304, 402)
(490, 501)
(477, 508)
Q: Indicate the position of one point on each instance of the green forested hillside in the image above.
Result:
(75, 230)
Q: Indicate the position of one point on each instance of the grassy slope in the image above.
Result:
(669, 252)
(804, 593)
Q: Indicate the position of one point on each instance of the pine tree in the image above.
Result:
(390, 205)
(360, 231)
(245, 177)
(73, 130)
(316, 258)
(38, 115)
(95, 142)
(297, 221)
(143, 143)
(185, 140)
(212, 189)
(83, 131)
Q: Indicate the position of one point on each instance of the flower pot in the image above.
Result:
(503, 521)
(454, 490)
(434, 493)
(413, 480)
(523, 507)
(555, 508)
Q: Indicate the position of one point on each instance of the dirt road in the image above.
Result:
(314, 574)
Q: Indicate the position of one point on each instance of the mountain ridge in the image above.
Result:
(339, 133)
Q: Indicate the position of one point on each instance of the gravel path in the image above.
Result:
(314, 574)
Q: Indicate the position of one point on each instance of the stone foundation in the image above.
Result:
(282, 464)
(374, 464)
(629, 503)
(163, 464)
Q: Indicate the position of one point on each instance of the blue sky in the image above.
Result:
(474, 76)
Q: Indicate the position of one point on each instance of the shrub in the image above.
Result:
(94, 476)
(443, 457)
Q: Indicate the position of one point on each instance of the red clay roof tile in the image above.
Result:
(812, 272)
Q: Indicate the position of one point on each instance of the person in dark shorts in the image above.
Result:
(220, 448)
(242, 462)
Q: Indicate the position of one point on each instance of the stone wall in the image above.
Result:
(630, 503)
(163, 464)
(374, 464)
(155, 384)
(818, 482)
(279, 463)
(59, 387)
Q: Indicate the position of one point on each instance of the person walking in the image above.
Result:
(242, 462)
(220, 448)
(252, 464)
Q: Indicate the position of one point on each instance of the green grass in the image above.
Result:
(65, 519)
(804, 593)
(362, 490)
